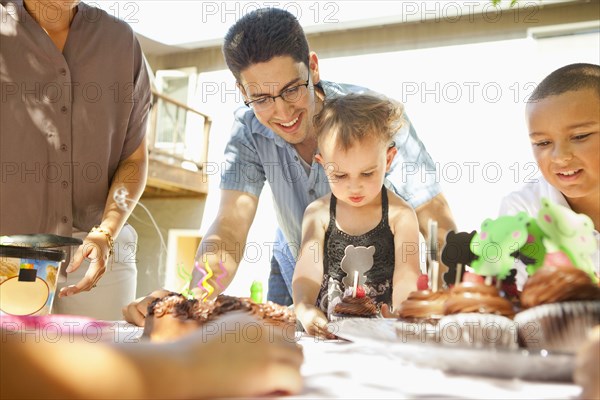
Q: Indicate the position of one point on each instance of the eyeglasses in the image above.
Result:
(290, 95)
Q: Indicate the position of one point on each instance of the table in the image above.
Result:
(341, 369)
(349, 370)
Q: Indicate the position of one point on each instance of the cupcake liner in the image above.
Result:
(365, 330)
(587, 366)
(557, 326)
(478, 330)
(417, 332)
(338, 317)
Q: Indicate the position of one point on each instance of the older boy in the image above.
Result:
(563, 119)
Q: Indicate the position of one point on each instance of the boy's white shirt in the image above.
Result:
(528, 199)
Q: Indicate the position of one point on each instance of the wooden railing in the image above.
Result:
(178, 137)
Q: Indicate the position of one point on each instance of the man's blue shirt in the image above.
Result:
(255, 155)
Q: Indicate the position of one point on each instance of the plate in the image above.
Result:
(54, 326)
(72, 324)
(39, 240)
(522, 364)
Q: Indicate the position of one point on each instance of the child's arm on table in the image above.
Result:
(308, 274)
(405, 227)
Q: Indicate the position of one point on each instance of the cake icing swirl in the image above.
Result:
(175, 304)
(423, 304)
(469, 297)
(362, 307)
(554, 284)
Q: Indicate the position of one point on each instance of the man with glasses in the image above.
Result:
(273, 140)
(290, 95)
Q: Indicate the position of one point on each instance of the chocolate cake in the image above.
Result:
(175, 315)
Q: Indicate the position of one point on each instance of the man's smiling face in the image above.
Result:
(291, 120)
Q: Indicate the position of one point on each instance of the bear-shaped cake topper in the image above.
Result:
(569, 232)
(356, 259)
(457, 252)
(496, 243)
(334, 295)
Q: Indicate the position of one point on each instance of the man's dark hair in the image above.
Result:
(566, 79)
(261, 35)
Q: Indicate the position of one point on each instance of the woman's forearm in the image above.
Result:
(131, 175)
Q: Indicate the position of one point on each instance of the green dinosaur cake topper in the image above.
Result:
(556, 230)
(569, 232)
(496, 242)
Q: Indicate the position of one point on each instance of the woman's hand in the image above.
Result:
(96, 248)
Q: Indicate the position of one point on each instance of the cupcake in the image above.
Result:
(471, 297)
(423, 306)
(561, 305)
(476, 315)
(419, 315)
(555, 284)
(354, 306)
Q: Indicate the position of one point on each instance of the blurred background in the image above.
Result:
(463, 69)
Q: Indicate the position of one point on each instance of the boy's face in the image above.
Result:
(291, 120)
(565, 135)
(356, 174)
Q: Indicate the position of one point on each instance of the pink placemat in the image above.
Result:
(60, 323)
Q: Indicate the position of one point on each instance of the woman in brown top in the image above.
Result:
(75, 102)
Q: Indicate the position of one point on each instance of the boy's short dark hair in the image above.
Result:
(568, 78)
(261, 35)
(358, 116)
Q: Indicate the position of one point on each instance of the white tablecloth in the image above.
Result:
(349, 370)
(340, 369)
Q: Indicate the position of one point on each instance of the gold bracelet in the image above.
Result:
(109, 238)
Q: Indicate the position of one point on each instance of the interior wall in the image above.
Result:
(169, 213)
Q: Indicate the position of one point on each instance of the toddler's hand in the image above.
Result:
(314, 322)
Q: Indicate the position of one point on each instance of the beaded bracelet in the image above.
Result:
(109, 239)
